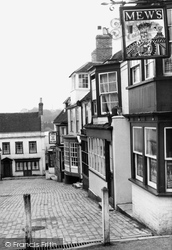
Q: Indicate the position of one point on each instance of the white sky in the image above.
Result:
(41, 43)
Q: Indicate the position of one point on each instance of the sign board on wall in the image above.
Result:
(52, 137)
(145, 32)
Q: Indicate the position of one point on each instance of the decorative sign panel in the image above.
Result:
(144, 32)
(52, 137)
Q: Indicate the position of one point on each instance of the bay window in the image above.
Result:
(96, 155)
(108, 91)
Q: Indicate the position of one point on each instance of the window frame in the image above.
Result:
(150, 158)
(16, 149)
(31, 151)
(148, 65)
(135, 64)
(137, 154)
(109, 93)
(6, 152)
(166, 158)
(96, 156)
(169, 59)
(83, 81)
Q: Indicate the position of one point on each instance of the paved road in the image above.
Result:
(59, 210)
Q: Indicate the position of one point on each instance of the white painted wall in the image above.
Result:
(124, 85)
(96, 184)
(25, 138)
(153, 211)
(121, 160)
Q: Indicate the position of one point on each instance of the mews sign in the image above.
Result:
(144, 32)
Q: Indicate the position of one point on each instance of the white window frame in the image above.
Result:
(169, 60)
(149, 66)
(96, 156)
(135, 66)
(137, 153)
(83, 81)
(167, 159)
(108, 92)
(149, 156)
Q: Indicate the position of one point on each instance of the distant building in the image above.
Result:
(22, 143)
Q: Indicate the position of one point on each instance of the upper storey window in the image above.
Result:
(168, 61)
(83, 81)
(135, 71)
(108, 91)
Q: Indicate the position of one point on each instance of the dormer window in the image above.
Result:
(108, 91)
(83, 81)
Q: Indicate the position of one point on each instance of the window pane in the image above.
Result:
(151, 145)
(139, 165)
(103, 78)
(152, 170)
(169, 175)
(138, 140)
(169, 143)
(112, 77)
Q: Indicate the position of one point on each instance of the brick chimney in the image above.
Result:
(40, 113)
(40, 108)
(103, 49)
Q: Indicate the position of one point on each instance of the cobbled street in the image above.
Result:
(59, 210)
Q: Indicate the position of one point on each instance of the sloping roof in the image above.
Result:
(86, 97)
(83, 68)
(117, 56)
(20, 122)
(61, 118)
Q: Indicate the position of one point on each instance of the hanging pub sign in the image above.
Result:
(52, 137)
(145, 33)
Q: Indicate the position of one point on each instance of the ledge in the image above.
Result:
(150, 189)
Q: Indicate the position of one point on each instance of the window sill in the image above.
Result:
(150, 189)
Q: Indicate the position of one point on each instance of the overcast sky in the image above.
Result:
(41, 43)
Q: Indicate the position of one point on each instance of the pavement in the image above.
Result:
(59, 210)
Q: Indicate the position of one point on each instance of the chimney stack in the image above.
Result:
(40, 110)
(103, 49)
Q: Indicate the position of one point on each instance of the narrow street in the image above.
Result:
(59, 211)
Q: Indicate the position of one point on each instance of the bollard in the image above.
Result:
(28, 226)
(105, 216)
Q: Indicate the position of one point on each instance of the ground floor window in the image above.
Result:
(22, 165)
(145, 154)
(138, 152)
(96, 155)
(168, 158)
(71, 153)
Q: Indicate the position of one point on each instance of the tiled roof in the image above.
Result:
(84, 68)
(61, 118)
(20, 122)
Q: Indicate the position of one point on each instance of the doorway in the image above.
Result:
(7, 167)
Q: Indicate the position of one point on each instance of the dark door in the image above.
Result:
(27, 171)
(7, 168)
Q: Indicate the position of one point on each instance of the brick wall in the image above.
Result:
(153, 211)
(103, 49)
